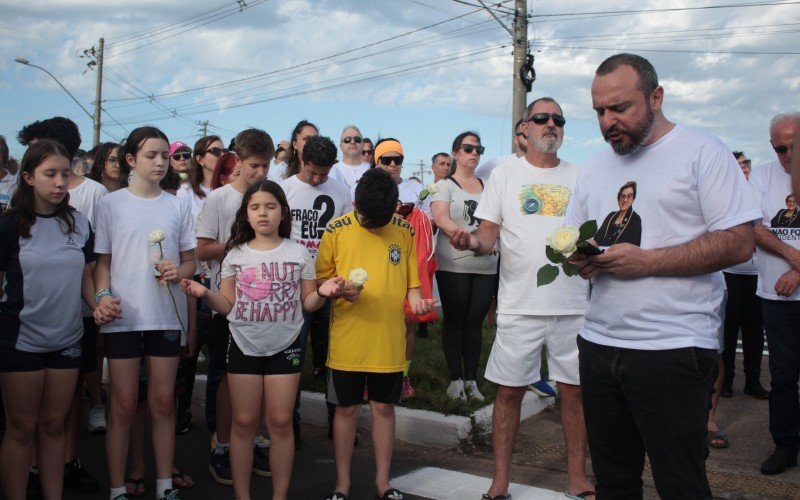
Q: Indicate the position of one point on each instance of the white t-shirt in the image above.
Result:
(749, 267)
(528, 203)
(215, 222)
(349, 174)
(84, 197)
(268, 313)
(8, 185)
(124, 222)
(277, 173)
(185, 192)
(462, 211)
(688, 185)
(484, 170)
(312, 207)
(771, 185)
(409, 193)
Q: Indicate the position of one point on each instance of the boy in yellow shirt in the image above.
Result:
(367, 333)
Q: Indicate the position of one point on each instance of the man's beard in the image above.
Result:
(548, 144)
(639, 136)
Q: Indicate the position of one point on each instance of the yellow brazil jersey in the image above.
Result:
(368, 335)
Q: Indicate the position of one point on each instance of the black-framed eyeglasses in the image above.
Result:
(469, 148)
(349, 139)
(367, 152)
(216, 151)
(745, 163)
(387, 160)
(781, 150)
(181, 156)
(628, 196)
(543, 118)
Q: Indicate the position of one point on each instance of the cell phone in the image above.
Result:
(589, 250)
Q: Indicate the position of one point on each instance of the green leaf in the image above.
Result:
(587, 230)
(423, 194)
(570, 269)
(552, 255)
(546, 275)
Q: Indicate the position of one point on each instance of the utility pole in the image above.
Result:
(98, 95)
(203, 128)
(520, 56)
(421, 172)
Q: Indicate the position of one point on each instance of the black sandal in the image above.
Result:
(336, 495)
(391, 494)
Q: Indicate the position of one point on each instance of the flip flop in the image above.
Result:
(717, 436)
(137, 484)
(181, 476)
(390, 494)
(580, 496)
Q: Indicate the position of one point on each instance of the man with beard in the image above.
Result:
(524, 201)
(648, 346)
(484, 170)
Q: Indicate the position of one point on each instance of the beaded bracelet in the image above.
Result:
(105, 292)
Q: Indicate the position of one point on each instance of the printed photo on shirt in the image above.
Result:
(623, 225)
(786, 217)
(544, 199)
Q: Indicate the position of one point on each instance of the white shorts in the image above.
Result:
(516, 353)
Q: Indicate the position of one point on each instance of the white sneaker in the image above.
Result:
(471, 388)
(456, 390)
(97, 419)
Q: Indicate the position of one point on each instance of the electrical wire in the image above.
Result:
(670, 9)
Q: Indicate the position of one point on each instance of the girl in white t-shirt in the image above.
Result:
(267, 282)
(145, 246)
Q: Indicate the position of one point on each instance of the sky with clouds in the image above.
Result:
(418, 70)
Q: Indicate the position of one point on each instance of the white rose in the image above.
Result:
(432, 188)
(358, 276)
(156, 236)
(563, 240)
(184, 176)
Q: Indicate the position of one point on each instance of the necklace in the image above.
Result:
(625, 220)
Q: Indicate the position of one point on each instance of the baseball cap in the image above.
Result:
(178, 145)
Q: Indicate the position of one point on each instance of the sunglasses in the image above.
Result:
(349, 139)
(182, 156)
(216, 151)
(543, 118)
(405, 209)
(366, 152)
(781, 150)
(469, 148)
(387, 160)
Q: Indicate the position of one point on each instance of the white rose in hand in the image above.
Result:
(432, 188)
(156, 236)
(358, 276)
(563, 240)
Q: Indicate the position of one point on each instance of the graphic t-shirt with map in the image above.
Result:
(528, 203)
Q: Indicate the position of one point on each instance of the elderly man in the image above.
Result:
(778, 240)
(524, 201)
(441, 166)
(352, 166)
(648, 346)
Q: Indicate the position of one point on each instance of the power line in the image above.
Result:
(308, 63)
(677, 51)
(671, 9)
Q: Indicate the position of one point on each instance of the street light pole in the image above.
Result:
(26, 62)
(98, 93)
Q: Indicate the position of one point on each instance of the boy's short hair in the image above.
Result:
(376, 198)
(254, 142)
(58, 128)
(321, 151)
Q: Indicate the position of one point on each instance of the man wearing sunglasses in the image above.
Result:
(484, 170)
(778, 279)
(352, 166)
(526, 199)
(649, 342)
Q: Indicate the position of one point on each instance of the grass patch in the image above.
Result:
(430, 377)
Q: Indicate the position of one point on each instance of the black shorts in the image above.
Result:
(89, 345)
(127, 345)
(218, 341)
(347, 388)
(14, 360)
(286, 362)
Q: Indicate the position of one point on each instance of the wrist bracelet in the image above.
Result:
(105, 292)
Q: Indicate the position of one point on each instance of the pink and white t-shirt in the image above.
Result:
(268, 313)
